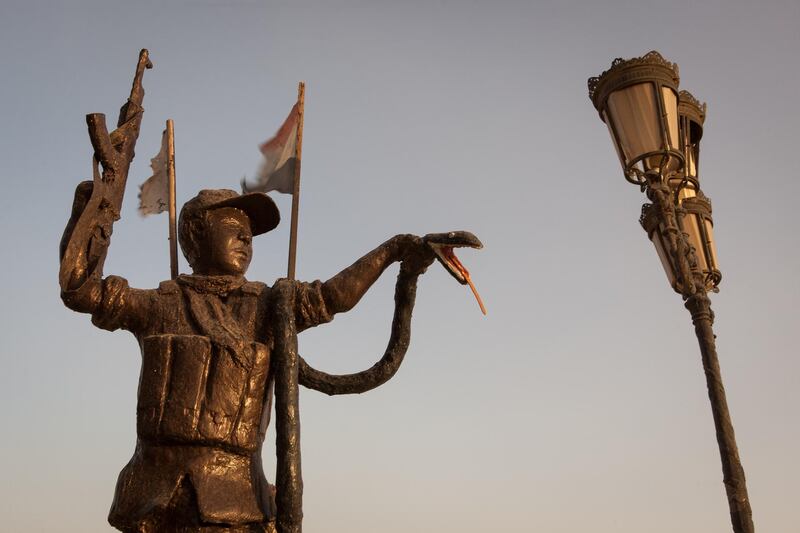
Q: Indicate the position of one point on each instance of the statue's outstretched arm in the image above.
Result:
(416, 254)
(343, 291)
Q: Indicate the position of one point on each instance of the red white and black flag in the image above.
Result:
(280, 169)
(277, 171)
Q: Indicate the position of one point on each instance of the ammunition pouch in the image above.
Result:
(193, 392)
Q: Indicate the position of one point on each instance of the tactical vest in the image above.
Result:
(193, 393)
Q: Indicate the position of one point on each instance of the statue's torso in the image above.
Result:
(197, 387)
(204, 395)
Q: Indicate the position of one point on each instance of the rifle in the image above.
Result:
(98, 202)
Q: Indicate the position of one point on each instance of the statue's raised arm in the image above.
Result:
(97, 203)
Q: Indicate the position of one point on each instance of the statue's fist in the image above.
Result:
(415, 254)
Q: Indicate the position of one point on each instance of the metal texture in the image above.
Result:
(650, 68)
(625, 72)
(692, 108)
(214, 346)
(699, 305)
(692, 283)
(699, 206)
(664, 216)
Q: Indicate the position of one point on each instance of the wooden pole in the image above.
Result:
(301, 96)
(173, 240)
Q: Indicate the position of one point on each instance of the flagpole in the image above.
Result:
(173, 240)
(301, 97)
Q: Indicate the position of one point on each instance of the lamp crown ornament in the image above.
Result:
(631, 71)
(691, 106)
(656, 131)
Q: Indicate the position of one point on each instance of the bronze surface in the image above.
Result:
(214, 346)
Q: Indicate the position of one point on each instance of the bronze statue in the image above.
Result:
(214, 344)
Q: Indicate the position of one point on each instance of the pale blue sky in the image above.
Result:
(578, 404)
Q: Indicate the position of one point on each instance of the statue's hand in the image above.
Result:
(415, 254)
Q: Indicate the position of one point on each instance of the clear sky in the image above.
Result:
(578, 404)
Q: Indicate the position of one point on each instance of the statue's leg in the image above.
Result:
(183, 516)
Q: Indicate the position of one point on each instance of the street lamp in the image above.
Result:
(692, 207)
(656, 131)
(696, 219)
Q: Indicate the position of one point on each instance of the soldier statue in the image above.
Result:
(211, 343)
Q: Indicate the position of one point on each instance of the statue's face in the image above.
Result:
(229, 243)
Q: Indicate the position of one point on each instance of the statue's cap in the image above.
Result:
(259, 208)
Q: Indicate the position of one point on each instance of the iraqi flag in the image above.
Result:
(277, 172)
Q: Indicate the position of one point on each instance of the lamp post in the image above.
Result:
(656, 131)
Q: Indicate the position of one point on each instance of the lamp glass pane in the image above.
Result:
(691, 164)
(634, 111)
(613, 140)
(671, 110)
(691, 226)
(666, 263)
(691, 133)
(687, 191)
(693, 156)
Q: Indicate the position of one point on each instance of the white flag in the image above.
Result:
(277, 172)
(154, 193)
